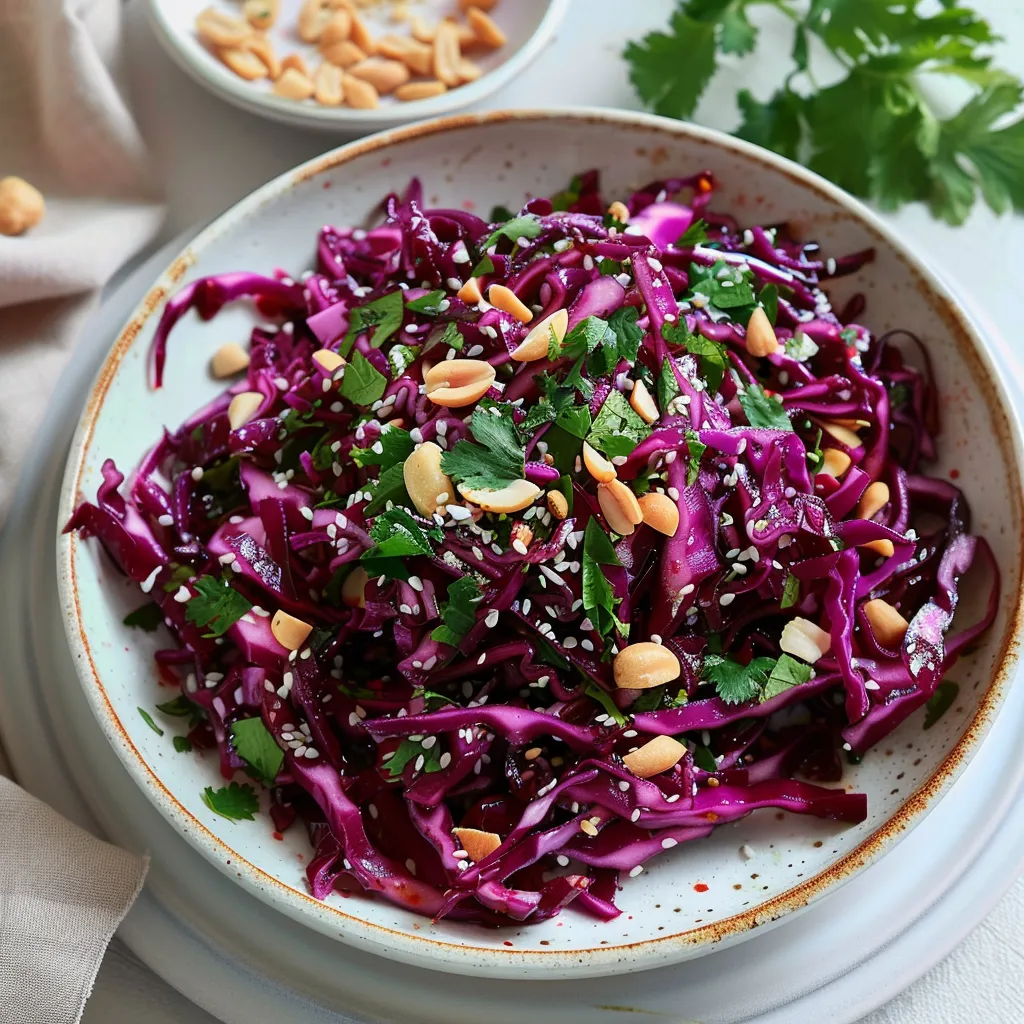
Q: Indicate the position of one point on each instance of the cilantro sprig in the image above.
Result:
(215, 605)
(874, 130)
(497, 460)
(599, 600)
(761, 679)
(458, 613)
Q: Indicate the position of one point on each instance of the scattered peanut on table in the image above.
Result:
(413, 60)
(21, 206)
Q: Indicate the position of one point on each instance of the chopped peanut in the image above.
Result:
(508, 302)
(289, 631)
(643, 665)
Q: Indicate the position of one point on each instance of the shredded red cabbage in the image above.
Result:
(462, 677)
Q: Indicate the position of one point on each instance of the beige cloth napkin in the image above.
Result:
(65, 128)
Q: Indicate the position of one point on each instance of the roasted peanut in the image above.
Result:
(619, 505)
(597, 465)
(418, 56)
(243, 407)
(537, 343)
(289, 631)
(259, 44)
(834, 462)
(887, 624)
(361, 34)
(296, 61)
(476, 843)
(359, 95)
(557, 504)
(508, 302)
(842, 433)
(21, 206)
(467, 70)
(513, 498)
(761, 337)
(447, 53)
(353, 589)
(384, 75)
(328, 360)
(873, 500)
(654, 757)
(261, 14)
(421, 31)
(485, 29)
(660, 513)
(313, 19)
(343, 54)
(620, 211)
(484, 5)
(337, 29)
(424, 479)
(470, 292)
(217, 29)
(805, 640)
(244, 63)
(458, 382)
(883, 546)
(643, 665)
(293, 85)
(328, 87)
(643, 403)
(228, 360)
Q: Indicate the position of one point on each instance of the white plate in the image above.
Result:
(530, 25)
(242, 962)
(703, 895)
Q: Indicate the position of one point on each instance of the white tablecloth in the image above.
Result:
(210, 154)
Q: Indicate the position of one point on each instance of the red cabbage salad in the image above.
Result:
(520, 551)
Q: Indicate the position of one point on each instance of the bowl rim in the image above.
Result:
(473, 959)
(206, 70)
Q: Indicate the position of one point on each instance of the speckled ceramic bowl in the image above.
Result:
(700, 896)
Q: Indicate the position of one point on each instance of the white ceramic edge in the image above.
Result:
(241, 93)
(424, 951)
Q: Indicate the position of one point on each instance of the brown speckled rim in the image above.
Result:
(421, 949)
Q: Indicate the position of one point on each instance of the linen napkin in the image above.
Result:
(65, 128)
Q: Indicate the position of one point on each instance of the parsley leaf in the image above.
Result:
(363, 383)
(526, 226)
(712, 354)
(599, 601)
(790, 592)
(940, 702)
(458, 613)
(695, 234)
(146, 618)
(695, 449)
(384, 314)
(627, 335)
(408, 752)
(397, 535)
(257, 748)
(736, 683)
(234, 802)
(148, 719)
(762, 411)
(395, 444)
(583, 339)
(617, 430)
(497, 461)
(216, 605)
(428, 303)
(389, 487)
(452, 336)
(787, 673)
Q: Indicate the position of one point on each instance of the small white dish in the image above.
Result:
(702, 896)
(529, 25)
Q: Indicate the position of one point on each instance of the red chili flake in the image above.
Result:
(326, 185)
(704, 185)
(277, 836)
(507, 943)
(700, 887)
(954, 474)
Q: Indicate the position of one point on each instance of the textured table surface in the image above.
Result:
(210, 155)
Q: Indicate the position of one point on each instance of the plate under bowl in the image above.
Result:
(701, 896)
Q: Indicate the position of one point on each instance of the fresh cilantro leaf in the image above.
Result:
(583, 339)
(762, 411)
(294, 421)
(695, 452)
(727, 287)
(627, 335)
(695, 234)
(458, 613)
(397, 535)
(220, 491)
(790, 592)
(215, 605)
(428, 303)
(384, 315)
(667, 386)
(609, 268)
(257, 748)
(617, 430)
(851, 26)
(500, 214)
(768, 300)
(599, 601)
(485, 266)
(899, 394)
(146, 618)
(401, 357)
(389, 487)
(568, 196)
(776, 124)
(392, 447)
(363, 383)
(148, 719)
(940, 702)
(712, 354)
(801, 347)
(736, 683)
(526, 226)
(704, 759)
(234, 802)
(603, 698)
(180, 707)
(575, 420)
(671, 71)
(409, 752)
(574, 379)
(495, 462)
(182, 744)
(787, 673)
(452, 337)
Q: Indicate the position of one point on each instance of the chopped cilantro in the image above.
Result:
(215, 605)
(389, 487)
(801, 347)
(408, 752)
(940, 702)
(485, 266)
(234, 802)
(695, 234)
(429, 303)
(452, 337)
(704, 759)
(790, 592)
(148, 719)
(603, 698)
(401, 357)
(220, 491)
(397, 536)
(363, 383)
(667, 386)
(599, 601)
(526, 226)
(787, 673)
(146, 618)
(182, 744)
(627, 335)
(568, 196)
(497, 460)
(385, 314)
(396, 446)
(736, 683)
(714, 360)
(768, 299)
(257, 748)
(617, 429)
(695, 451)
(458, 613)
(762, 411)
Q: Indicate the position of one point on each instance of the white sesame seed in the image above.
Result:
(182, 594)
(636, 871)
(668, 842)
(623, 785)
(492, 618)
(747, 852)
(562, 860)
(635, 816)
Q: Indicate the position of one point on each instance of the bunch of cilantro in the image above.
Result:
(873, 129)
